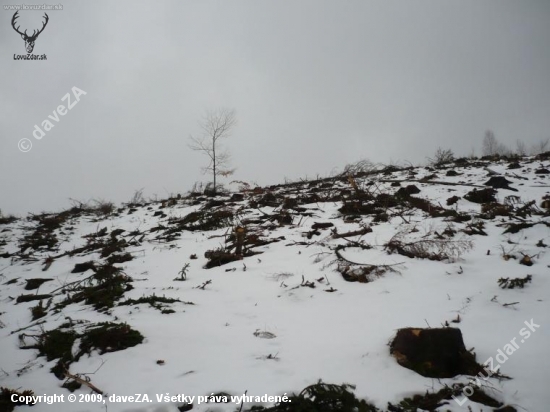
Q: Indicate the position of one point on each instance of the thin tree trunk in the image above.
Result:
(214, 163)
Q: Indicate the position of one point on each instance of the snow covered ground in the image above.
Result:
(259, 326)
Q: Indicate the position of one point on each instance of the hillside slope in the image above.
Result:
(269, 290)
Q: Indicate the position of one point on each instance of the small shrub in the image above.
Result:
(431, 401)
(6, 404)
(119, 258)
(183, 272)
(101, 290)
(103, 207)
(475, 228)
(154, 301)
(441, 157)
(493, 209)
(137, 198)
(113, 247)
(361, 167)
(56, 344)
(426, 248)
(323, 397)
(5, 220)
(43, 235)
(207, 220)
(507, 283)
(108, 337)
(38, 311)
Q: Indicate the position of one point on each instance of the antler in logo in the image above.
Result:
(29, 40)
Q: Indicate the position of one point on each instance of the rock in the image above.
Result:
(433, 353)
(452, 173)
(542, 171)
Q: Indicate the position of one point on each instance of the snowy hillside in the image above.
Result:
(270, 290)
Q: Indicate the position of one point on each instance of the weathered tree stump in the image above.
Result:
(434, 353)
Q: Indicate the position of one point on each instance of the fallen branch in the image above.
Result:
(362, 231)
(66, 285)
(83, 382)
(526, 207)
(510, 304)
(429, 182)
(27, 327)
(204, 284)
(342, 258)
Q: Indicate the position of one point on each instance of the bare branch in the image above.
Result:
(83, 382)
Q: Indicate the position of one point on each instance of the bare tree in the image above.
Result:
(441, 157)
(490, 144)
(216, 125)
(492, 147)
(503, 150)
(541, 146)
(521, 150)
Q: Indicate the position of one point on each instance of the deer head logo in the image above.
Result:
(29, 40)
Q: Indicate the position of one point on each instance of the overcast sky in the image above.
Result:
(315, 85)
